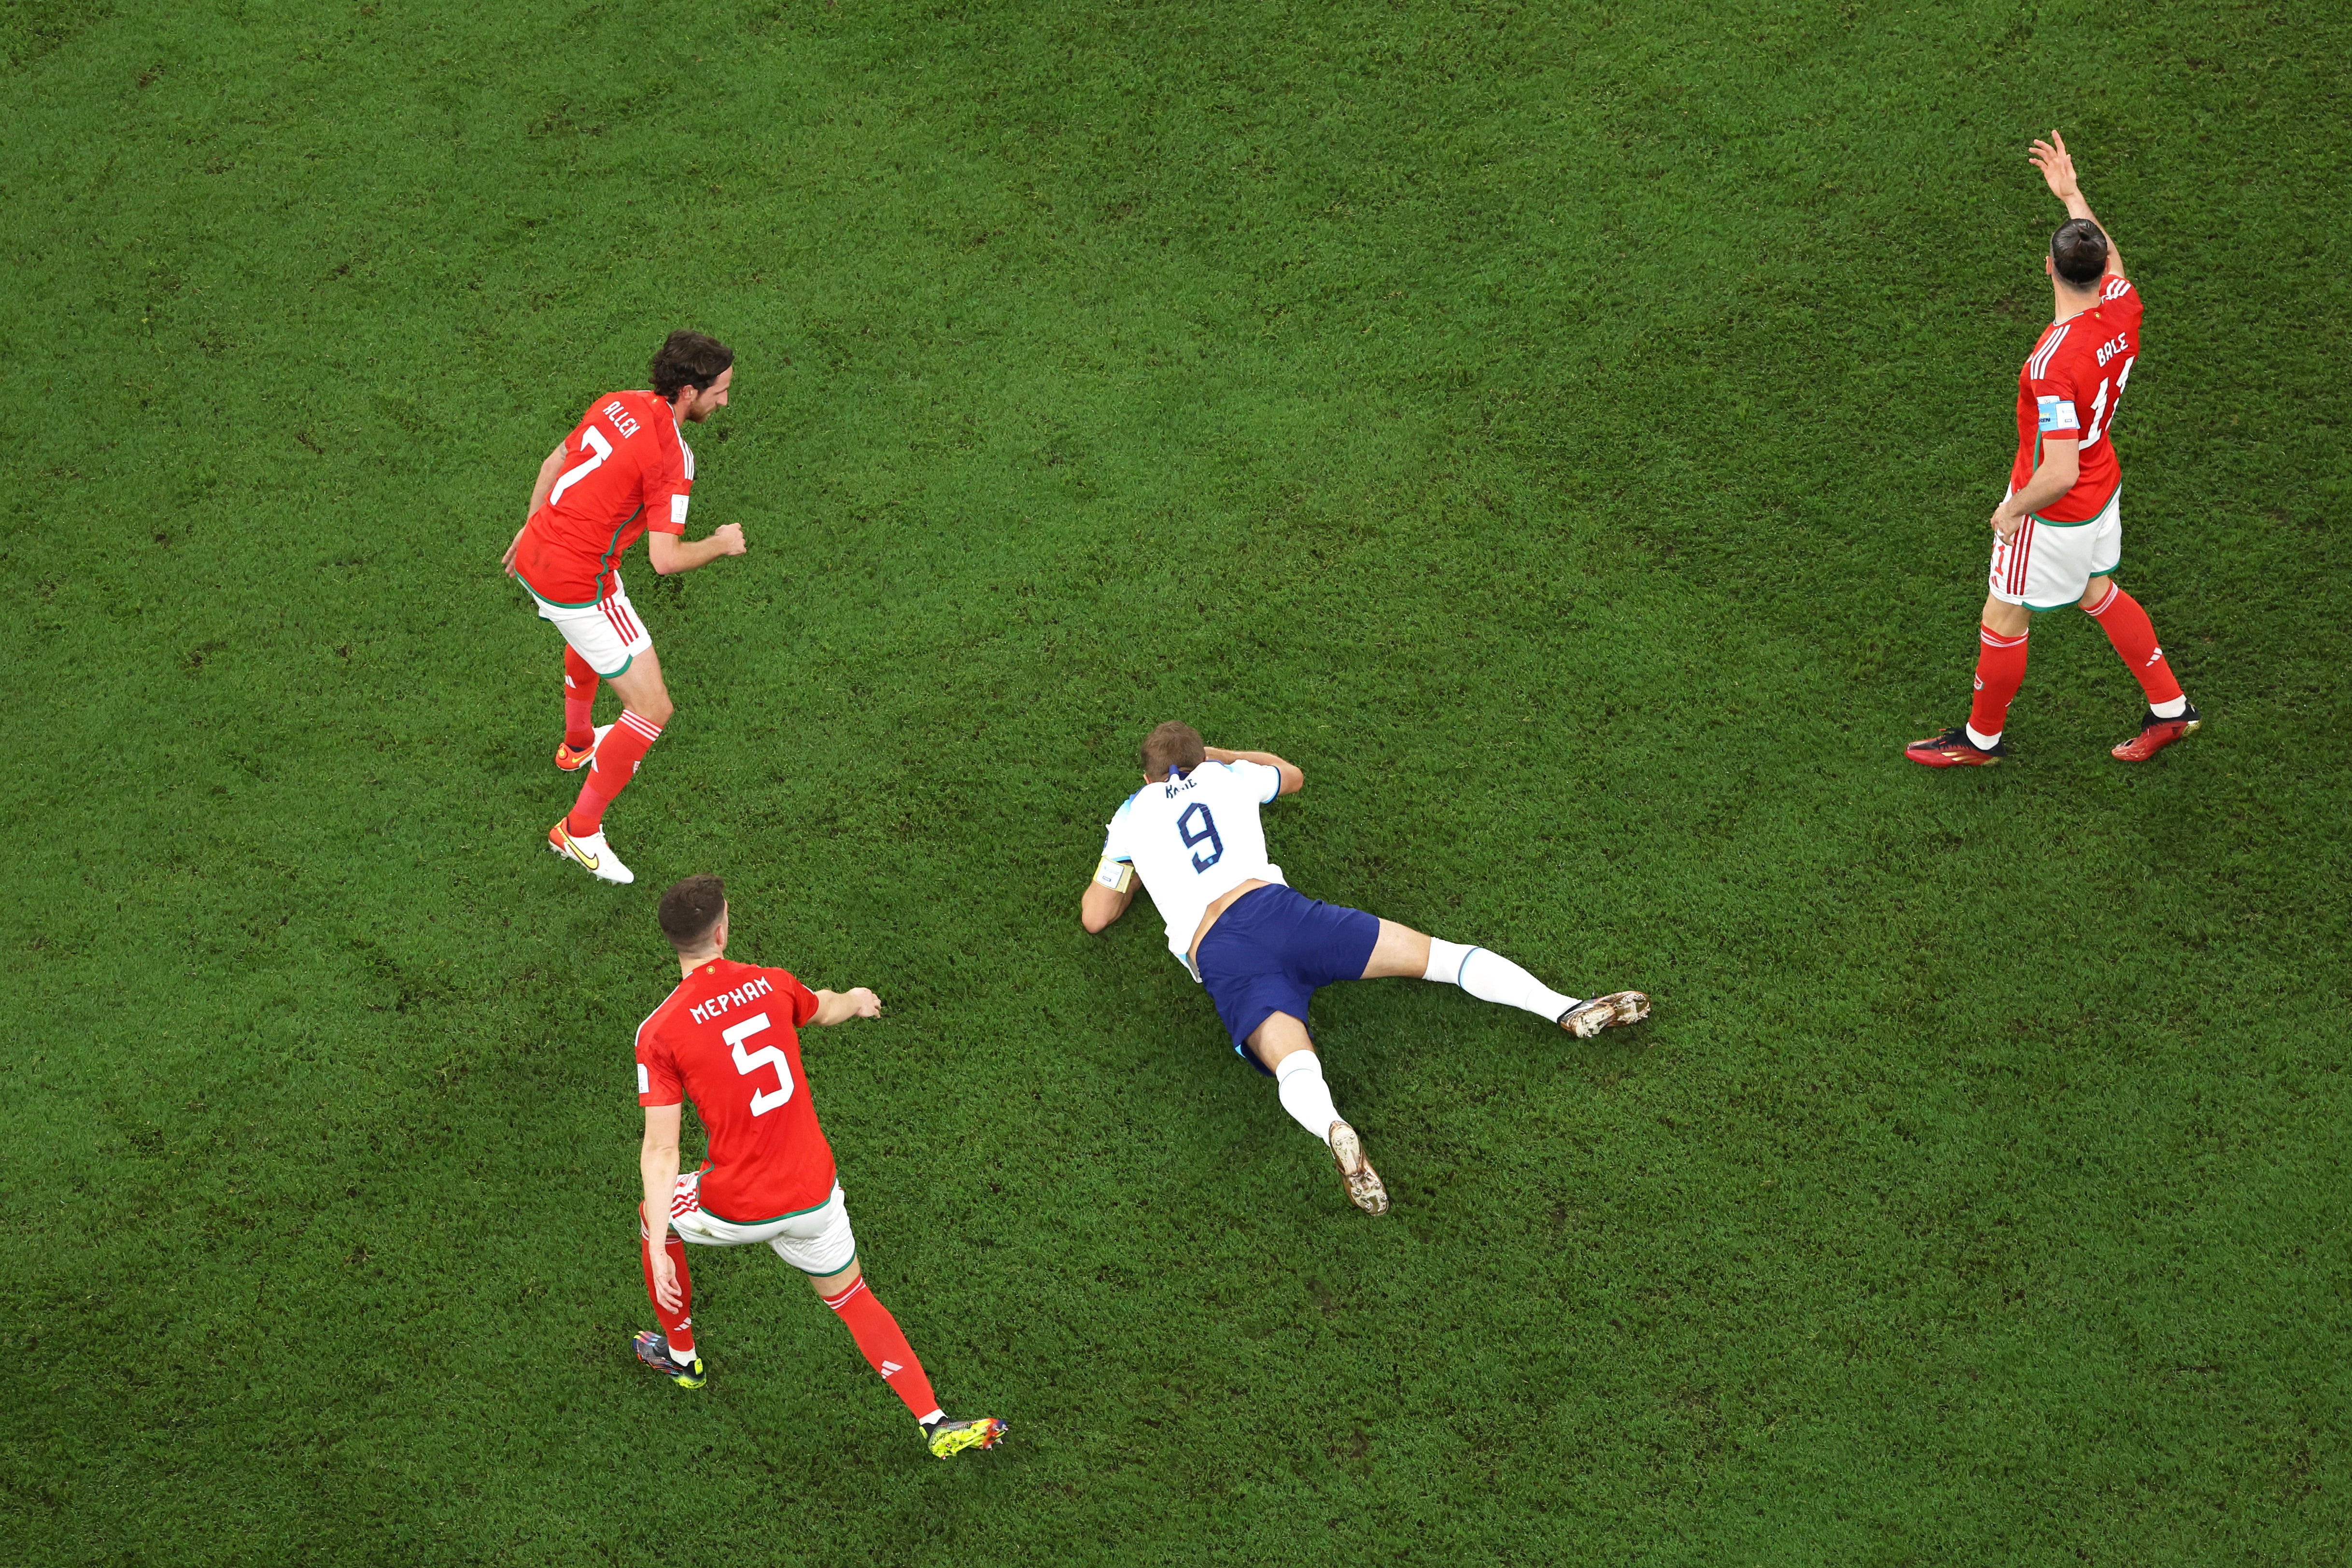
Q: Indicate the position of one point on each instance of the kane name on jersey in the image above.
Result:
(2069, 389)
(729, 1039)
(1194, 839)
(626, 469)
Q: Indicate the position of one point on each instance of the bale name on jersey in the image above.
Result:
(2069, 388)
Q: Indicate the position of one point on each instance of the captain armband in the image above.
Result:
(1116, 875)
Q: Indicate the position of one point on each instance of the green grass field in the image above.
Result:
(1566, 430)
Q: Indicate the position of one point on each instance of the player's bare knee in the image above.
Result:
(1280, 1036)
(831, 1285)
(2094, 592)
(2007, 619)
(1400, 952)
(654, 710)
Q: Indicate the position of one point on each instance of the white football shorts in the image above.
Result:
(607, 634)
(815, 1241)
(2049, 566)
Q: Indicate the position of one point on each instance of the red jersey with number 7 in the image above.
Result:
(729, 1039)
(626, 469)
(2069, 389)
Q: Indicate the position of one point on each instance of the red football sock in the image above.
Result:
(676, 1327)
(615, 765)
(2133, 635)
(2001, 670)
(579, 701)
(885, 1348)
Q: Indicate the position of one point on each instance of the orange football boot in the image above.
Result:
(572, 762)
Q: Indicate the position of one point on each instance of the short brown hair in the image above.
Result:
(690, 911)
(1172, 748)
(689, 359)
(2079, 251)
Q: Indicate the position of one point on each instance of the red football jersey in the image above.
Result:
(2069, 388)
(626, 469)
(729, 1039)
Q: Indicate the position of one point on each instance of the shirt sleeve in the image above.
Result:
(2059, 413)
(1114, 845)
(2119, 301)
(1265, 781)
(803, 999)
(658, 1079)
(669, 479)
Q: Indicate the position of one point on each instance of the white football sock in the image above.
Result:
(1982, 741)
(683, 1358)
(1446, 962)
(2172, 710)
(1491, 977)
(1299, 1081)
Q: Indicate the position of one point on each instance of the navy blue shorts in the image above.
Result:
(1272, 949)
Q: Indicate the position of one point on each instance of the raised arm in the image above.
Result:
(1293, 777)
(2057, 166)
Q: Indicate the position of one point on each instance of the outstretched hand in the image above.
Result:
(863, 1002)
(2057, 166)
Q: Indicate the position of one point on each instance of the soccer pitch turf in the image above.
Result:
(1567, 431)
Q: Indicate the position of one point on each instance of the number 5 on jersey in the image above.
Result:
(750, 1062)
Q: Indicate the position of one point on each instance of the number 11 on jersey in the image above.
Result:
(2101, 420)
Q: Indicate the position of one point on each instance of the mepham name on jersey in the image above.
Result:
(704, 1011)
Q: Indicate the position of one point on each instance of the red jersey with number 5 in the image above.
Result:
(2069, 389)
(729, 1039)
(626, 469)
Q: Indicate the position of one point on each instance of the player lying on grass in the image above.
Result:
(2059, 532)
(1192, 835)
(626, 469)
(728, 1039)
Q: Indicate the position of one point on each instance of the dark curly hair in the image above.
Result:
(690, 911)
(689, 359)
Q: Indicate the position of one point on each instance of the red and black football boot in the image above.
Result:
(652, 1351)
(1953, 749)
(2156, 733)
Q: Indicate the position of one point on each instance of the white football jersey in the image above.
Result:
(1194, 839)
